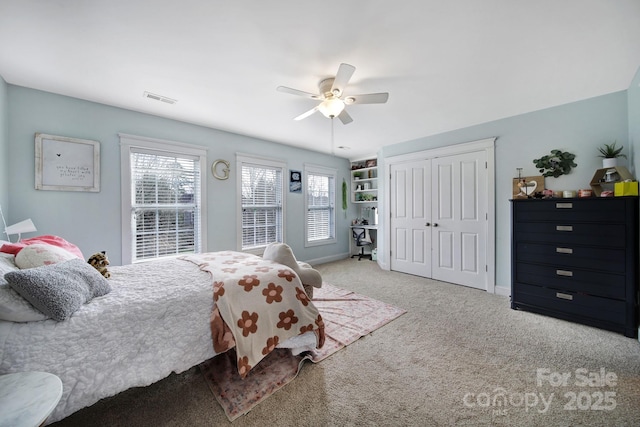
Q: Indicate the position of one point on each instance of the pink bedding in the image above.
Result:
(14, 248)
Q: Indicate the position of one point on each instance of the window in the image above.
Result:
(162, 199)
(261, 202)
(320, 198)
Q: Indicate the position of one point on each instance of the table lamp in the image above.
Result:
(25, 226)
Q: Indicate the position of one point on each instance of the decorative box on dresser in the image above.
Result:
(577, 259)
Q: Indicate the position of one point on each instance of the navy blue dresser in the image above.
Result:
(577, 259)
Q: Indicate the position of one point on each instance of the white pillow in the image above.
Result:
(13, 307)
(7, 264)
(40, 254)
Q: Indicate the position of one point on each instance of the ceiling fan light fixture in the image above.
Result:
(331, 107)
(330, 94)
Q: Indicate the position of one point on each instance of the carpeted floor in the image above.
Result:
(459, 356)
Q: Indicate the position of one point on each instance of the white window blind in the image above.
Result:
(261, 204)
(320, 205)
(164, 202)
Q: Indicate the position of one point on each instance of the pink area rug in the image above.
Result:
(347, 316)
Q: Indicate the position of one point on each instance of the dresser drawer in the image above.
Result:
(588, 306)
(610, 235)
(574, 280)
(573, 256)
(574, 210)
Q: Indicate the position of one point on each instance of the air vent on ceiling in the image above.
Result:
(159, 98)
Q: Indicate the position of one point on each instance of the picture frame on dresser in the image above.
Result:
(526, 186)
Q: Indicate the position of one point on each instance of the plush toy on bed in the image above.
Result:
(100, 261)
(282, 254)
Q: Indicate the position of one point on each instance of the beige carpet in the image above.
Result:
(416, 371)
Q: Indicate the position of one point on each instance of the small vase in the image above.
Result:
(611, 162)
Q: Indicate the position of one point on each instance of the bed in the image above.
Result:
(155, 320)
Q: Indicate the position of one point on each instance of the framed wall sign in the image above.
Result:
(67, 164)
(295, 181)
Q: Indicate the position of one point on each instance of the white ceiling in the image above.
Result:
(446, 64)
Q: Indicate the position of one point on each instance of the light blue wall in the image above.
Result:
(578, 127)
(92, 220)
(633, 95)
(4, 149)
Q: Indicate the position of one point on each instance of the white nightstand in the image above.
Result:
(27, 398)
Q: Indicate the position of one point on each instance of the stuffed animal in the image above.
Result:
(100, 261)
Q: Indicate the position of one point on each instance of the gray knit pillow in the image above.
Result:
(59, 290)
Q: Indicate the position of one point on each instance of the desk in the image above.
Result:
(27, 398)
(373, 232)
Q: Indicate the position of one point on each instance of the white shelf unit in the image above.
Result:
(364, 185)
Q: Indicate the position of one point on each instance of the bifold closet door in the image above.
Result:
(459, 219)
(410, 209)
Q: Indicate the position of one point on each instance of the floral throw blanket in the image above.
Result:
(258, 305)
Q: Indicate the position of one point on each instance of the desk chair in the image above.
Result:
(362, 240)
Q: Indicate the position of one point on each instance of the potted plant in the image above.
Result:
(555, 164)
(610, 154)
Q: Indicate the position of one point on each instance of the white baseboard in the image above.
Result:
(383, 265)
(327, 259)
(502, 291)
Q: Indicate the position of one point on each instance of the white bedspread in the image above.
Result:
(154, 322)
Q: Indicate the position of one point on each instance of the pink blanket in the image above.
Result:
(14, 248)
(258, 305)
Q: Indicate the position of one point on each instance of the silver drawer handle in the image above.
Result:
(564, 296)
(564, 227)
(564, 273)
(564, 205)
(564, 250)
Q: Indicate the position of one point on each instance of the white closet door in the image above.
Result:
(459, 219)
(410, 204)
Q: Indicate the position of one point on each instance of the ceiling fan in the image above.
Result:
(333, 98)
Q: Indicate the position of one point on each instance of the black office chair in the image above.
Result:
(362, 240)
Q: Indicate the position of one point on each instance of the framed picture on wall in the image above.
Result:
(67, 164)
(295, 181)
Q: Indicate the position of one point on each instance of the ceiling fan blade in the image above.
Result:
(345, 71)
(307, 114)
(344, 117)
(369, 98)
(298, 92)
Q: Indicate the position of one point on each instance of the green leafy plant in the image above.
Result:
(556, 164)
(344, 197)
(610, 151)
